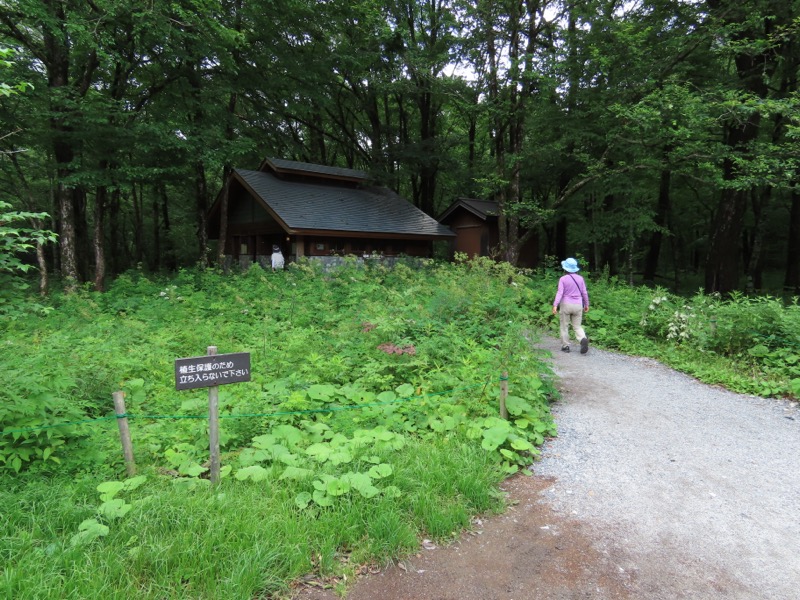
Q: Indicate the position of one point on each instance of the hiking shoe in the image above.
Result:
(565, 348)
(584, 345)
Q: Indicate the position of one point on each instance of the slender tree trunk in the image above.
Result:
(429, 167)
(170, 261)
(227, 172)
(222, 242)
(722, 259)
(201, 196)
(100, 200)
(791, 282)
(66, 237)
(138, 226)
(561, 239)
(661, 220)
(761, 201)
(155, 210)
(82, 238)
(41, 259)
(117, 249)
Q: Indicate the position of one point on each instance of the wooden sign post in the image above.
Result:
(211, 371)
(504, 395)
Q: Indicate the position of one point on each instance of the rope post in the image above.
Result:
(504, 395)
(124, 432)
(713, 323)
(213, 426)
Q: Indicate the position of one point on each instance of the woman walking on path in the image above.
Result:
(573, 299)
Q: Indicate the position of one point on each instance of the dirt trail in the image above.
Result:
(657, 487)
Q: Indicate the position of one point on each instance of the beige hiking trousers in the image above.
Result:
(570, 314)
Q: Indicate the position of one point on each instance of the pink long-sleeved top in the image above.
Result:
(572, 290)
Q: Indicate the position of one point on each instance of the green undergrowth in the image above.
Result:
(371, 420)
(746, 344)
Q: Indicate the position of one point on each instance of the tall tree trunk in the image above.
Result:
(222, 242)
(56, 45)
(755, 62)
(100, 201)
(661, 220)
(41, 259)
(723, 258)
(138, 226)
(155, 211)
(791, 282)
(170, 261)
(561, 239)
(761, 201)
(57, 63)
(117, 249)
(66, 234)
(227, 171)
(201, 197)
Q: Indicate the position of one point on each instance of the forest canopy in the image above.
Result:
(655, 139)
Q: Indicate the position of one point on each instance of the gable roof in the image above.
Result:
(309, 207)
(483, 209)
(293, 167)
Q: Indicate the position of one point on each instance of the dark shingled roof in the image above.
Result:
(483, 209)
(316, 206)
(280, 165)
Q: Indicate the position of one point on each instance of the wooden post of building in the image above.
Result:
(213, 425)
(124, 432)
(504, 395)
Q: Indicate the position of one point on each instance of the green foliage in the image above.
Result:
(749, 344)
(320, 347)
(32, 416)
(353, 449)
(16, 239)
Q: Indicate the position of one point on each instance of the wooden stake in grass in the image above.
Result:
(213, 425)
(504, 395)
(124, 432)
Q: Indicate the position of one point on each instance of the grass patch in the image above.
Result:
(240, 540)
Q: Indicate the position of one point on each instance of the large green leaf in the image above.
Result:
(322, 499)
(253, 472)
(89, 530)
(325, 393)
(296, 473)
(380, 471)
(303, 499)
(494, 436)
(337, 487)
(109, 489)
(114, 509)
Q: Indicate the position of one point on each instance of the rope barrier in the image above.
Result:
(253, 415)
(67, 424)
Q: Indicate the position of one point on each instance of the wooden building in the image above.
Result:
(318, 211)
(477, 232)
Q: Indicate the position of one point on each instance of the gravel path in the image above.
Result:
(697, 487)
(657, 487)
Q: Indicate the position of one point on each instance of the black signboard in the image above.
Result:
(208, 371)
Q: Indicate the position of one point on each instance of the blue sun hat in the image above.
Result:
(570, 265)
